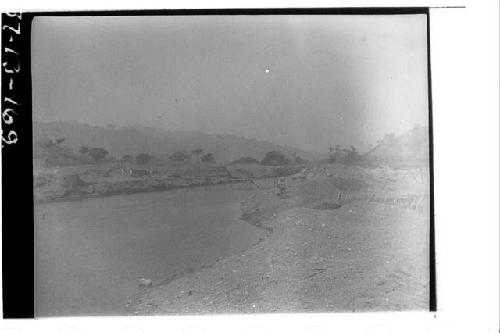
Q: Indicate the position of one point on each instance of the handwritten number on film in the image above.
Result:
(11, 67)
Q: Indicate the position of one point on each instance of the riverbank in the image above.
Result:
(83, 190)
(358, 258)
(368, 252)
(81, 182)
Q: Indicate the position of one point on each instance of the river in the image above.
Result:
(90, 254)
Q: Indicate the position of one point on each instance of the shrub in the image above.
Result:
(180, 156)
(208, 158)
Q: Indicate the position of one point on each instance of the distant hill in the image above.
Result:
(139, 139)
(409, 148)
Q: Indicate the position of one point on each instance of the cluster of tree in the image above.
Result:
(278, 158)
(338, 154)
(179, 156)
(198, 154)
(55, 153)
(94, 154)
(99, 155)
(273, 158)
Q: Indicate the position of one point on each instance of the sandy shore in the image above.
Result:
(363, 256)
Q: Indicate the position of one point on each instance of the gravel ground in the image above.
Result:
(363, 256)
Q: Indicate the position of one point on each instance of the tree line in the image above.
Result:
(272, 158)
(99, 155)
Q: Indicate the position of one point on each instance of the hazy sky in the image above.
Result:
(305, 81)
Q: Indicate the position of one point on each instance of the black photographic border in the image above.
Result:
(18, 290)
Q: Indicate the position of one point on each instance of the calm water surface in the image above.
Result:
(91, 253)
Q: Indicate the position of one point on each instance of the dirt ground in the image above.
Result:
(367, 252)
